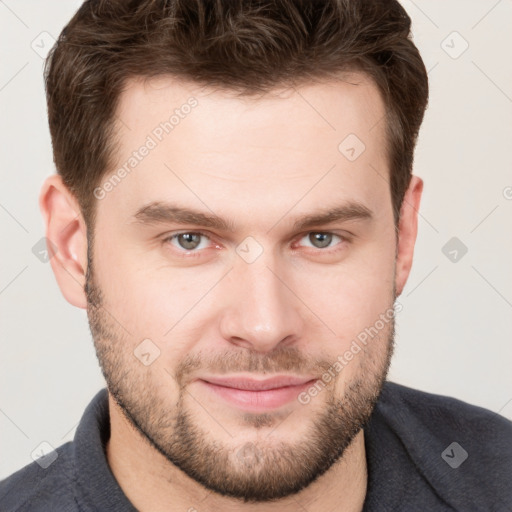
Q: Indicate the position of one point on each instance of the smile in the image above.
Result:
(257, 395)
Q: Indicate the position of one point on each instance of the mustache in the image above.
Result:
(280, 360)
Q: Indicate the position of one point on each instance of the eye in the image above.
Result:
(321, 239)
(188, 241)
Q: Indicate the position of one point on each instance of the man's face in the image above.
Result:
(191, 320)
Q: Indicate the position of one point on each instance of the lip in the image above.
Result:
(257, 395)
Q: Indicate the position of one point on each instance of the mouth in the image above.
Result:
(257, 395)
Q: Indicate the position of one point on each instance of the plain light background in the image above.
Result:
(454, 334)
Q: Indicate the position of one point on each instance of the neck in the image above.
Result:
(152, 483)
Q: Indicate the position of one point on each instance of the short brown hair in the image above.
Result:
(245, 46)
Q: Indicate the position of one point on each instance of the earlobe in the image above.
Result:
(67, 239)
(407, 231)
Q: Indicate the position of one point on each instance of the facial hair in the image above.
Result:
(257, 471)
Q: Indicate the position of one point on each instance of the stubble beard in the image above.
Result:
(259, 471)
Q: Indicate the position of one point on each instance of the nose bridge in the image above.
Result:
(262, 311)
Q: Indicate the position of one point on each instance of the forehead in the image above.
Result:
(352, 100)
(208, 145)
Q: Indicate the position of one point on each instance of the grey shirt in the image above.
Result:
(424, 452)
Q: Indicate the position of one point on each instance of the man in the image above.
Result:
(234, 207)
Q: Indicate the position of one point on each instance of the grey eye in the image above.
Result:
(320, 240)
(189, 241)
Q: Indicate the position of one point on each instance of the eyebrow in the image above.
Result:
(158, 212)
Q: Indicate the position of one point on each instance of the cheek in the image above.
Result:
(156, 302)
(350, 296)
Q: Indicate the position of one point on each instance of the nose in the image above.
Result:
(262, 311)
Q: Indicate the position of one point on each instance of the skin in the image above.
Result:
(261, 164)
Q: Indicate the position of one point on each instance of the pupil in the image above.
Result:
(189, 240)
(320, 240)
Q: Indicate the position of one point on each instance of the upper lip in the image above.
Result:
(251, 384)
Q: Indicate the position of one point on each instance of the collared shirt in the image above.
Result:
(424, 452)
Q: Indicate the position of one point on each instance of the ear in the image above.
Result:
(407, 231)
(67, 239)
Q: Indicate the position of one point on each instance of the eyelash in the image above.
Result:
(197, 252)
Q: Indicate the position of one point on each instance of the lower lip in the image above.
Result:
(258, 401)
